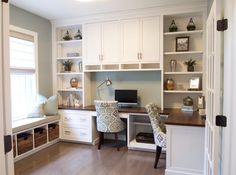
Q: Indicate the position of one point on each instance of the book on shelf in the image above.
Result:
(188, 108)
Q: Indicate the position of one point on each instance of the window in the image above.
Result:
(23, 73)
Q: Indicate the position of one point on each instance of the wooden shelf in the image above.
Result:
(184, 32)
(183, 53)
(71, 90)
(182, 92)
(69, 58)
(182, 73)
(70, 73)
(70, 41)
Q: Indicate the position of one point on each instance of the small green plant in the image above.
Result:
(190, 64)
(67, 65)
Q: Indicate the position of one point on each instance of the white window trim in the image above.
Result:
(35, 36)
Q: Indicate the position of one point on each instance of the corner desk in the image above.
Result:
(185, 134)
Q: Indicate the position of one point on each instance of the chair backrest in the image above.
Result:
(108, 119)
(158, 126)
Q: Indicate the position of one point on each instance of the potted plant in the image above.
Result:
(67, 65)
(190, 64)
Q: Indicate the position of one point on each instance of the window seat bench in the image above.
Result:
(33, 134)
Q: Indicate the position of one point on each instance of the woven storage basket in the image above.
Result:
(53, 131)
(40, 136)
(24, 142)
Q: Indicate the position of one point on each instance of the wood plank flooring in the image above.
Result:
(78, 159)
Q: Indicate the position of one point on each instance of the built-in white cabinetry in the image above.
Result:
(130, 44)
(102, 42)
(77, 126)
(69, 51)
(93, 43)
(131, 40)
(180, 76)
(141, 40)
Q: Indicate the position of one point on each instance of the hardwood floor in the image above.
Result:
(77, 159)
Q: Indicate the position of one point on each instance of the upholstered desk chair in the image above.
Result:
(108, 120)
(159, 129)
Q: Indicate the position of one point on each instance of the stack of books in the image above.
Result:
(187, 108)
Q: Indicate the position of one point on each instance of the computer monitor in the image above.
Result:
(127, 98)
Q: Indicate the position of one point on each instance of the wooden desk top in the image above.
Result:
(175, 116)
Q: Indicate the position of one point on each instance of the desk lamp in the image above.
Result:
(107, 81)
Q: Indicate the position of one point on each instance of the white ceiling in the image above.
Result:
(63, 9)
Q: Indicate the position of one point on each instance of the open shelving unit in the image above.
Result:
(71, 50)
(174, 98)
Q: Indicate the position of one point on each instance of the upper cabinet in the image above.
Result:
(121, 45)
(92, 43)
(141, 40)
(131, 40)
(150, 39)
(111, 42)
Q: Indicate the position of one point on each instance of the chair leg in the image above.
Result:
(100, 139)
(158, 153)
(116, 139)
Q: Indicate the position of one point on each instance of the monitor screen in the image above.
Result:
(124, 96)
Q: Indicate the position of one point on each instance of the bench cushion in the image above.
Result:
(28, 123)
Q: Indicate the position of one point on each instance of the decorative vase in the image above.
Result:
(67, 36)
(188, 101)
(78, 35)
(170, 84)
(173, 65)
(190, 68)
(173, 27)
(74, 82)
(191, 26)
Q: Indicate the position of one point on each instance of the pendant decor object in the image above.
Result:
(74, 82)
(78, 35)
(173, 65)
(170, 84)
(191, 26)
(67, 36)
(173, 27)
(188, 101)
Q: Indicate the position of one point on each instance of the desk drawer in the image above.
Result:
(76, 134)
(76, 120)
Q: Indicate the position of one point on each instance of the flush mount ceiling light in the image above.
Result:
(84, 0)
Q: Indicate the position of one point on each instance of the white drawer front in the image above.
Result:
(76, 134)
(80, 120)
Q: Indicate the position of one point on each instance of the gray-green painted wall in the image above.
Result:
(148, 85)
(209, 4)
(42, 26)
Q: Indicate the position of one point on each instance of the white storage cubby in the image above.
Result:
(29, 141)
(69, 50)
(174, 98)
(139, 123)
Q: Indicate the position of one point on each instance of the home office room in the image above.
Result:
(116, 87)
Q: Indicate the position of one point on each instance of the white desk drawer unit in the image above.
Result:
(77, 126)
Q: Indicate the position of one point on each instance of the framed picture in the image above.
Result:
(182, 44)
(195, 83)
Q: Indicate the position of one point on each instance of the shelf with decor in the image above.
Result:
(69, 65)
(194, 32)
(183, 59)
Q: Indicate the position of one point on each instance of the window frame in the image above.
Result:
(34, 35)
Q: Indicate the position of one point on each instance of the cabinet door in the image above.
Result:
(111, 42)
(92, 43)
(131, 40)
(150, 39)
